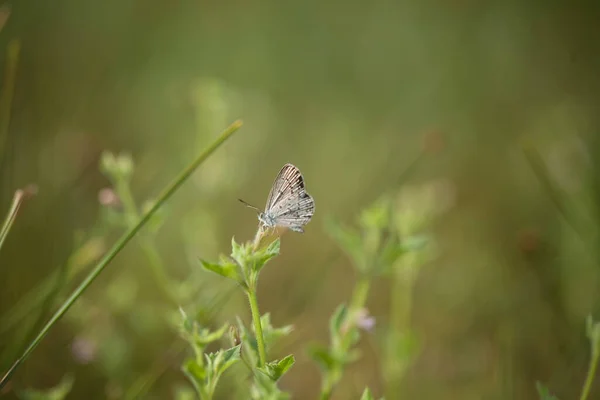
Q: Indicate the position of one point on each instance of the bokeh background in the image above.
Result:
(352, 93)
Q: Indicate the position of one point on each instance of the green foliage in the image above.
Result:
(205, 376)
(205, 370)
(376, 245)
(272, 334)
(245, 263)
(544, 393)
(59, 392)
(367, 395)
(199, 337)
(375, 248)
(244, 266)
(225, 269)
(265, 388)
(276, 369)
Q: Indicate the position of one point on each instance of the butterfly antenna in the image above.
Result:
(249, 205)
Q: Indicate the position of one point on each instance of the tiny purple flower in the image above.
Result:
(365, 321)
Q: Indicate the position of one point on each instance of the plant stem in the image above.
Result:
(146, 243)
(127, 236)
(400, 311)
(12, 214)
(357, 302)
(359, 296)
(589, 379)
(262, 353)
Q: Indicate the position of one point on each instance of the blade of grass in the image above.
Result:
(20, 195)
(120, 244)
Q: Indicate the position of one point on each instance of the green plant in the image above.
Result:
(205, 370)
(373, 249)
(243, 267)
(119, 245)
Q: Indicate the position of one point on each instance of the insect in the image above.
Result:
(288, 204)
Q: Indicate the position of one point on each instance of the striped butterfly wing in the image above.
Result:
(288, 203)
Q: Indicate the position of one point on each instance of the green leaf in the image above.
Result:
(196, 375)
(349, 240)
(322, 356)
(197, 336)
(367, 395)
(274, 247)
(227, 270)
(58, 392)
(194, 371)
(249, 341)
(337, 320)
(391, 251)
(187, 325)
(376, 216)
(414, 243)
(276, 369)
(544, 393)
(223, 359)
(265, 388)
(259, 259)
(271, 334)
(237, 251)
(206, 336)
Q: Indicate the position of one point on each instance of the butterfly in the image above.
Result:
(288, 204)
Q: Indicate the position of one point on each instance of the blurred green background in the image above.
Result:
(352, 93)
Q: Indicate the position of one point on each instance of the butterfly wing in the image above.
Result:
(288, 203)
(288, 180)
(298, 212)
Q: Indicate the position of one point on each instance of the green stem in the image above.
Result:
(589, 379)
(399, 315)
(12, 214)
(127, 236)
(357, 302)
(154, 260)
(359, 296)
(262, 353)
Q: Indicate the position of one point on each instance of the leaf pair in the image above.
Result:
(244, 263)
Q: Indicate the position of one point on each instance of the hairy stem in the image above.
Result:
(260, 342)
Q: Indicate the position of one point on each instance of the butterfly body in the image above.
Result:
(288, 205)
